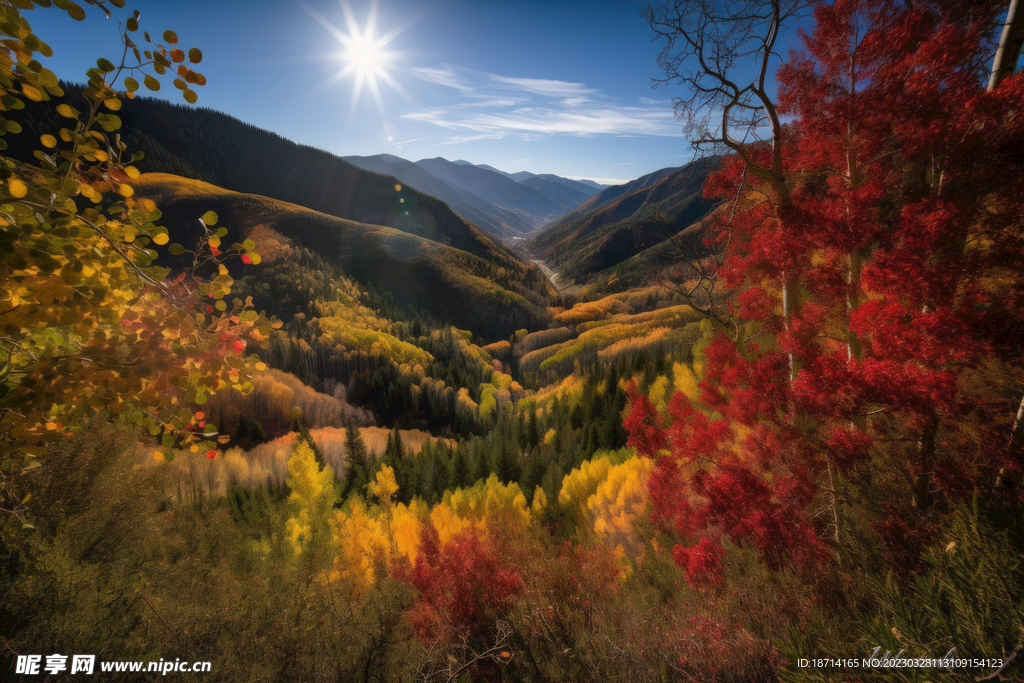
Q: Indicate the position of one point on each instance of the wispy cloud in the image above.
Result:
(655, 103)
(470, 138)
(543, 107)
(543, 86)
(446, 77)
(491, 103)
(551, 121)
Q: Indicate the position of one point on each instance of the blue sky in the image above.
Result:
(551, 87)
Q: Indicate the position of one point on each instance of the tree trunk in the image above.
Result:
(926, 463)
(1009, 46)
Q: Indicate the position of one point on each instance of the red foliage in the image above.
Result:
(702, 563)
(899, 160)
(643, 424)
(463, 587)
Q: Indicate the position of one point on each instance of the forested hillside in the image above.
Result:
(495, 295)
(202, 144)
(282, 441)
(623, 221)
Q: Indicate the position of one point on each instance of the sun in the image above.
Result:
(363, 54)
(364, 57)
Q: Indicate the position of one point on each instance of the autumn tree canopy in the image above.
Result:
(91, 329)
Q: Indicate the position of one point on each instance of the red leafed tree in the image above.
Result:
(464, 588)
(872, 247)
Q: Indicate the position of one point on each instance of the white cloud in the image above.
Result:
(592, 121)
(491, 103)
(543, 86)
(446, 77)
(545, 107)
(655, 103)
(470, 138)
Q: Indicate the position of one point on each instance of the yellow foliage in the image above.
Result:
(312, 498)
(540, 502)
(447, 523)
(405, 528)
(490, 504)
(686, 381)
(384, 487)
(658, 393)
(549, 436)
(620, 499)
(359, 538)
(581, 483)
(608, 497)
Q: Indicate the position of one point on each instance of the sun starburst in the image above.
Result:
(363, 53)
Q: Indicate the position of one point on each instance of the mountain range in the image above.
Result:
(624, 221)
(509, 206)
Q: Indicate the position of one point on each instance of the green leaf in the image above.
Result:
(220, 305)
(248, 245)
(131, 84)
(200, 399)
(109, 122)
(151, 83)
(131, 24)
(176, 249)
(170, 37)
(105, 64)
(221, 232)
(195, 56)
(210, 218)
(76, 12)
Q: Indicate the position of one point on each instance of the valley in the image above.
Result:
(313, 415)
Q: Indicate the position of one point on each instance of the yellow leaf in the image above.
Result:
(65, 111)
(157, 455)
(132, 172)
(160, 238)
(101, 156)
(215, 242)
(51, 426)
(48, 140)
(17, 188)
(194, 448)
(113, 104)
(125, 190)
(261, 366)
(32, 92)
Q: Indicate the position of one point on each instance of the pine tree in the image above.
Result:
(357, 464)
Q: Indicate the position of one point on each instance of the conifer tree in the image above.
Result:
(357, 464)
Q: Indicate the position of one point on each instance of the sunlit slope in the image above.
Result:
(493, 297)
(625, 220)
(199, 143)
